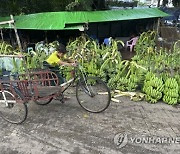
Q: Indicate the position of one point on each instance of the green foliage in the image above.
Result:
(146, 43)
(122, 3)
(7, 49)
(156, 60)
(97, 60)
(19, 7)
(80, 5)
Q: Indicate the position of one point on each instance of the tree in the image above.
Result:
(86, 5)
(80, 5)
(17, 7)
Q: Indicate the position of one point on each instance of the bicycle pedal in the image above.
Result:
(62, 101)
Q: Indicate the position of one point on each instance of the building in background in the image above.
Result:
(150, 3)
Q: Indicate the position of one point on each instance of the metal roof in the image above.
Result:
(70, 20)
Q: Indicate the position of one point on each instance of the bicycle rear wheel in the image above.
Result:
(12, 109)
(93, 94)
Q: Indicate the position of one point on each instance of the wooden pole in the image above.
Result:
(158, 26)
(16, 33)
(2, 35)
(6, 22)
(17, 56)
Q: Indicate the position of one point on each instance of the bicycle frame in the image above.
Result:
(72, 80)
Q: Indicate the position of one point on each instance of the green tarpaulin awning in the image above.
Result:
(75, 20)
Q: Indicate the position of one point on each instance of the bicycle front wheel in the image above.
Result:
(12, 109)
(93, 94)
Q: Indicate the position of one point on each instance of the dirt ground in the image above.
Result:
(66, 128)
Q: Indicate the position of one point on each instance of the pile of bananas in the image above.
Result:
(129, 84)
(127, 76)
(123, 83)
(96, 59)
(171, 93)
(153, 88)
(146, 43)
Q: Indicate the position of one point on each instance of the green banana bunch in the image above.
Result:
(131, 85)
(153, 87)
(122, 83)
(169, 100)
(149, 76)
(177, 77)
(112, 82)
(150, 99)
(171, 83)
(171, 91)
(125, 84)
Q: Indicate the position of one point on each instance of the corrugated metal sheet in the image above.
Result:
(61, 20)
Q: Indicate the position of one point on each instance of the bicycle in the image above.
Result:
(85, 84)
(89, 91)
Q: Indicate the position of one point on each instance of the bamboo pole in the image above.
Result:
(18, 56)
(16, 33)
(158, 26)
(7, 22)
(2, 35)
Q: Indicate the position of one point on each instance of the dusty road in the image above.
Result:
(127, 127)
